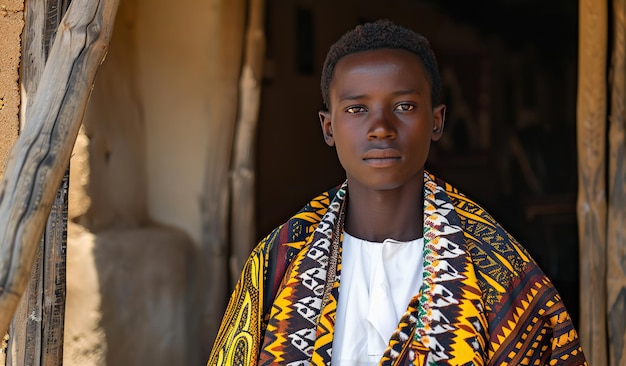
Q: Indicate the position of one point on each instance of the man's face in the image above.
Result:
(381, 120)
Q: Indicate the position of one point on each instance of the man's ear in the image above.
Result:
(439, 119)
(327, 127)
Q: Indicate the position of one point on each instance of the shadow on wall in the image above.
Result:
(128, 297)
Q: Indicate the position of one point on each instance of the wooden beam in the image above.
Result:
(36, 333)
(228, 21)
(36, 336)
(41, 154)
(243, 231)
(616, 230)
(591, 136)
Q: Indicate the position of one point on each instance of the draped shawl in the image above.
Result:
(483, 300)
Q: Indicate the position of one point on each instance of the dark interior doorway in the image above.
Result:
(509, 73)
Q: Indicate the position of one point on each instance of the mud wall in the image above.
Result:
(11, 26)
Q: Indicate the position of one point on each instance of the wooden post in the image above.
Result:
(591, 136)
(36, 336)
(213, 286)
(616, 231)
(243, 232)
(41, 154)
(36, 333)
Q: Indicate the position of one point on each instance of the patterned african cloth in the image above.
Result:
(483, 301)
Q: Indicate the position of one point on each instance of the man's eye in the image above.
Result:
(405, 107)
(355, 110)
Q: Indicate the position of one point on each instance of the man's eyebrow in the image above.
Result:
(352, 97)
(406, 92)
(395, 93)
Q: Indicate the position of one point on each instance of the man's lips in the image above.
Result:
(382, 157)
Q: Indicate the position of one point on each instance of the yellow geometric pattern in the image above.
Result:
(483, 300)
(528, 323)
(238, 336)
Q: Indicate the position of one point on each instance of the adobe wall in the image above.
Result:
(136, 184)
(11, 25)
(175, 82)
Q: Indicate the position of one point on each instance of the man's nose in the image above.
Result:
(382, 125)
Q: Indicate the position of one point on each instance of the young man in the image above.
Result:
(394, 267)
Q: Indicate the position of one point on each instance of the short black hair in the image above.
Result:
(377, 35)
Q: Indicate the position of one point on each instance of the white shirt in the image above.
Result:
(377, 282)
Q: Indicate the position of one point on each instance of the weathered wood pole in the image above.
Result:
(227, 19)
(36, 333)
(591, 137)
(243, 232)
(616, 228)
(37, 329)
(41, 154)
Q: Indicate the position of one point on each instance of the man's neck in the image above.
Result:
(387, 214)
